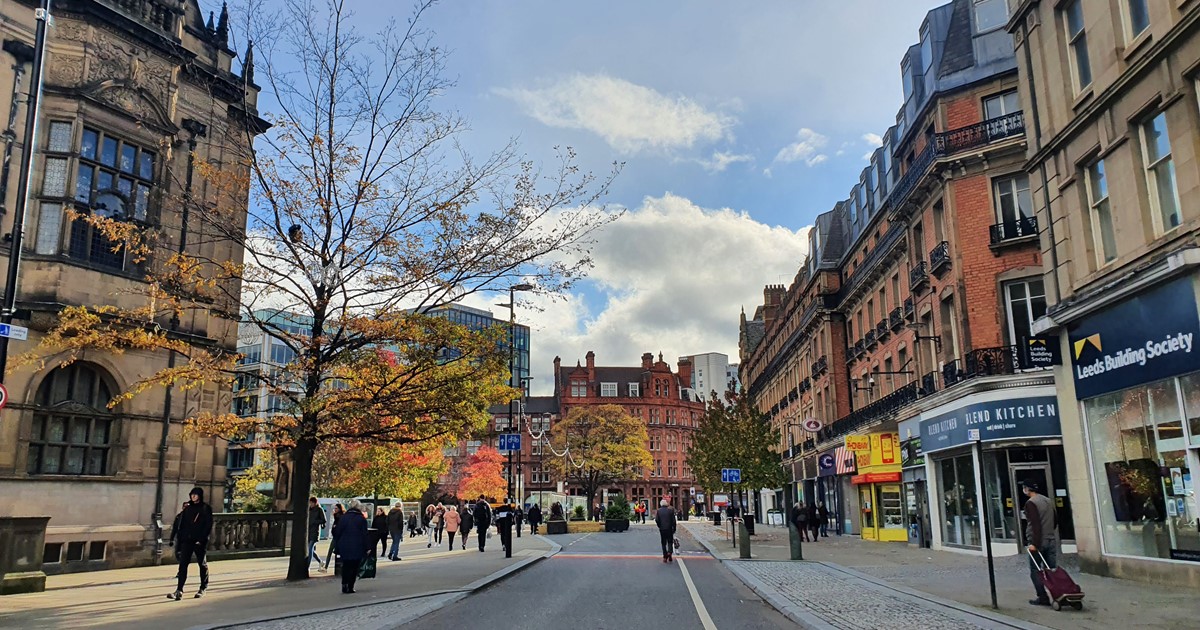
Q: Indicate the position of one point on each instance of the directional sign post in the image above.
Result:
(20, 333)
(731, 475)
(510, 442)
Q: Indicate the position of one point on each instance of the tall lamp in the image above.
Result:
(512, 379)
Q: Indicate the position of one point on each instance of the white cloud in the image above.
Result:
(669, 277)
(873, 139)
(806, 148)
(721, 160)
(629, 117)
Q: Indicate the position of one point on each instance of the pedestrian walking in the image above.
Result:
(316, 522)
(799, 519)
(535, 518)
(379, 530)
(395, 527)
(823, 514)
(504, 523)
(483, 520)
(1041, 532)
(351, 538)
(195, 526)
(814, 521)
(468, 521)
(453, 521)
(439, 523)
(665, 519)
(639, 513)
(338, 512)
(518, 519)
(413, 525)
(430, 513)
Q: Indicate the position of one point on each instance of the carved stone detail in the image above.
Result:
(63, 70)
(71, 31)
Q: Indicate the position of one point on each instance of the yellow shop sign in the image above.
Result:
(858, 443)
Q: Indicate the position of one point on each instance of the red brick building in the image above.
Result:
(661, 398)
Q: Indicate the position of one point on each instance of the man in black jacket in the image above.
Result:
(504, 525)
(483, 520)
(316, 522)
(195, 526)
(665, 519)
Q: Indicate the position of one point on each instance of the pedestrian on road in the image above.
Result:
(350, 537)
(395, 526)
(1041, 532)
(453, 521)
(518, 519)
(338, 512)
(535, 518)
(439, 523)
(195, 526)
(430, 512)
(814, 521)
(504, 524)
(665, 519)
(468, 521)
(823, 514)
(316, 522)
(800, 520)
(483, 520)
(379, 530)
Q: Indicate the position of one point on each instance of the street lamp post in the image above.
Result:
(794, 538)
(512, 379)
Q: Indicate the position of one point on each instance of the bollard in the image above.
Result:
(794, 540)
(743, 541)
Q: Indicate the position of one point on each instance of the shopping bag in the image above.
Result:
(367, 568)
(676, 541)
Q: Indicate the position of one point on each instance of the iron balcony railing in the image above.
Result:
(918, 276)
(939, 257)
(896, 317)
(881, 330)
(869, 339)
(1009, 230)
(910, 308)
(929, 384)
(980, 134)
(859, 347)
(870, 414)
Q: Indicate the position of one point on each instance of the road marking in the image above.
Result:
(696, 601)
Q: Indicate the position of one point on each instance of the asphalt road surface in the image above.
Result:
(614, 581)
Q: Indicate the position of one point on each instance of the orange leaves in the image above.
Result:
(481, 475)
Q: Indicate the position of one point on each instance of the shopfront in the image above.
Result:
(834, 470)
(877, 485)
(1021, 440)
(916, 491)
(1137, 378)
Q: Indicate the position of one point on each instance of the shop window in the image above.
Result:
(960, 504)
(1143, 472)
(72, 428)
(891, 507)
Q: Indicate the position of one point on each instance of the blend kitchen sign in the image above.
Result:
(1010, 418)
(1146, 338)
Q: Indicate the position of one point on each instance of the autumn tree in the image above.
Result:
(482, 475)
(360, 469)
(246, 495)
(603, 445)
(363, 213)
(733, 433)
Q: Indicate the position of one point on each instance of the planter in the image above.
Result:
(585, 527)
(616, 524)
(22, 542)
(556, 527)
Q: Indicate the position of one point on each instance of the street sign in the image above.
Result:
(20, 333)
(972, 435)
(731, 475)
(3, 396)
(812, 425)
(509, 442)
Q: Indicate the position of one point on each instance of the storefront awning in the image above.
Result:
(885, 477)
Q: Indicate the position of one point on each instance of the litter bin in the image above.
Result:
(716, 517)
(749, 521)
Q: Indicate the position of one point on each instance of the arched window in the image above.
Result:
(72, 426)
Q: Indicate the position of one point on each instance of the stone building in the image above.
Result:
(1112, 99)
(131, 89)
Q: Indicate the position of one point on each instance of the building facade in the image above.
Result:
(908, 321)
(131, 89)
(476, 320)
(711, 373)
(1111, 88)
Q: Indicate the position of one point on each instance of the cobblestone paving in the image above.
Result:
(368, 617)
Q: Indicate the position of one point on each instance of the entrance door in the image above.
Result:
(1040, 475)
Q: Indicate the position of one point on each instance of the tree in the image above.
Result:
(246, 496)
(482, 475)
(734, 434)
(367, 469)
(364, 212)
(604, 445)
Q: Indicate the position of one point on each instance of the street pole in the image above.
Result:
(987, 525)
(29, 140)
(512, 368)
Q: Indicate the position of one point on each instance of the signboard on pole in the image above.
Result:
(509, 442)
(20, 333)
(731, 475)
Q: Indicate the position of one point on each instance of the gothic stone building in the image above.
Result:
(131, 88)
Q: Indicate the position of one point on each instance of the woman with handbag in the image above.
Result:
(350, 537)
(453, 520)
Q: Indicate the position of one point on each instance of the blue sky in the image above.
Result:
(737, 122)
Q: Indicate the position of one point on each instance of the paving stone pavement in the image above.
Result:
(373, 617)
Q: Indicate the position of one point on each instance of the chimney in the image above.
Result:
(685, 372)
(772, 299)
(591, 365)
(557, 384)
(647, 361)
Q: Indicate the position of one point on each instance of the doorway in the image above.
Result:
(1038, 474)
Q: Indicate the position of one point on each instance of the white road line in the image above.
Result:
(696, 601)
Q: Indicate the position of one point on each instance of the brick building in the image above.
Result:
(903, 328)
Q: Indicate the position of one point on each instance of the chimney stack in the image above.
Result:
(647, 361)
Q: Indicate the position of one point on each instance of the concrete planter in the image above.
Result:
(22, 543)
(556, 527)
(616, 524)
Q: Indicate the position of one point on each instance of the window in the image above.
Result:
(250, 354)
(281, 353)
(1026, 303)
(1081, 67)
(1001, 104)
(673, 468)
(672, 445)
(72, 427)
(1013, 201)
(113, 179)
(926, 50)
(1137, 15)
(671, 416)
(239, 458)
(1103, 237)
(245, 406)
(473, 446)
(578, 388)
(52, 553)
(635, 390)
(990, 15)
(653, 415)
(1160, 172)
(654, 442)
(906, 79)
(960, 516)
(608, 390)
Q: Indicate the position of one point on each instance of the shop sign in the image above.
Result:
(858, 443)
(1146, 338)
(1185, 554)
(826, 464)
(911, 455)
(887, 477)
(887, 448)
(1005, 419)
(1039, 352)
(845, 461)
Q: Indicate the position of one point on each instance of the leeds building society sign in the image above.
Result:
(1146, 338)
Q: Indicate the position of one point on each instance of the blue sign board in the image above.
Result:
(510, 442)
(1006, 419)
(1146, 338)
(826, 464)
(731, 475)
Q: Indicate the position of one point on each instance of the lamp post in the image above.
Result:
(788, 500)
(512, 379)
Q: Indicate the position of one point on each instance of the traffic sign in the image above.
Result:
(3, 395)
(731, 475)
(20, 333)
(510, 442)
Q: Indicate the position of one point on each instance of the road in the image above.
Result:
(609, 580)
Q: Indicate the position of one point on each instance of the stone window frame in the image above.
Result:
(1076, 41)
(1094, 171)
(74, 412)
(1150, 172)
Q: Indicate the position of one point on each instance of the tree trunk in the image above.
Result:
(302, 461)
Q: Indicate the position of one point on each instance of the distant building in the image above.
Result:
(477, 320)
(710, 373)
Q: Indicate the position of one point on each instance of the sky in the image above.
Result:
(737, 123)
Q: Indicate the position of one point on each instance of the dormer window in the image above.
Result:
(578, 388)
(990, 15)
(635, 390)
(608, 390)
